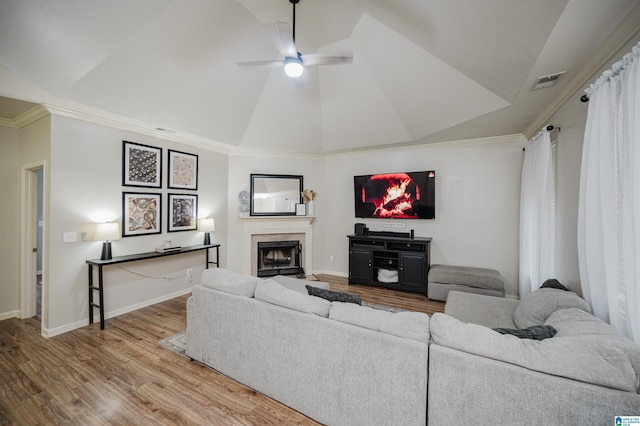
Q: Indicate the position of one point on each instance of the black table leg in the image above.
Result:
(90, 294)
(101, 293)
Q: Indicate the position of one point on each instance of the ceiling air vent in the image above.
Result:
(547, 80)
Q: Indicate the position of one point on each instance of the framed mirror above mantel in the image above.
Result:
(275, 195)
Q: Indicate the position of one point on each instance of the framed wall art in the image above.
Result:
(141, 165)
(182, 212)
(183, 170)
(140, 214)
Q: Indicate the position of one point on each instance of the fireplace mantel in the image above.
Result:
(281, 225)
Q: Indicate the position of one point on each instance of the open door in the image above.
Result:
(33, 277)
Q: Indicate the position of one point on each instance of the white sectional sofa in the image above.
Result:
(345, 364)
(338, 363)
(586, 374)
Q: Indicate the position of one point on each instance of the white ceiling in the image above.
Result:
(423, 71)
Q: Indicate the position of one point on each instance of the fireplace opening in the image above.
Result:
(279, 258)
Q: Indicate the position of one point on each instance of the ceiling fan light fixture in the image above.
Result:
(293, 66)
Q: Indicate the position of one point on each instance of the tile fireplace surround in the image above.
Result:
(276, 228)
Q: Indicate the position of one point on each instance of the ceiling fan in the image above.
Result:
(294, 62)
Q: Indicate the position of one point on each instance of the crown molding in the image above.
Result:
(30, 116)
(625, 32)
(115, 121)
(517, 139)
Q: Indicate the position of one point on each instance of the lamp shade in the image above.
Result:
(108, 231)
(207, 225)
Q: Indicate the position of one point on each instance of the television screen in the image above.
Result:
(396, 195)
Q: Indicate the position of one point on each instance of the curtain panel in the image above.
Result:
(537, 214)
(609, 203)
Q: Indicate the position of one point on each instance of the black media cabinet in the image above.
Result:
(392, 253)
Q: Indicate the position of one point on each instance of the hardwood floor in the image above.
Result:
(122, 375)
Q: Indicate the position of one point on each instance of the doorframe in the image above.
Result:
(28, 233)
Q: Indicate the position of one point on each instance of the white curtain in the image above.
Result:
(537, 214)
(609, 205)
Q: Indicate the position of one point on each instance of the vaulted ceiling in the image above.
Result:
(423, 71)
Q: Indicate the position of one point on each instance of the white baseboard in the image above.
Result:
(8, 315)
(336, 273)
(110, 314)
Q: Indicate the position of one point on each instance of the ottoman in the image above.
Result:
(445, 278)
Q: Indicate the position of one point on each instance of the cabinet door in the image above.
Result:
(360, 265)
(412, 271)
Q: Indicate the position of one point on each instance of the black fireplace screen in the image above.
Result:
(279, 258)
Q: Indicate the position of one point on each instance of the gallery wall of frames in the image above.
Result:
(142, 208)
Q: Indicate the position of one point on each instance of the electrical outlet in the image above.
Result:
(190, 275)
(331, 258)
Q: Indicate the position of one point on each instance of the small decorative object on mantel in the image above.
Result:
(244, 203)
(301, 209)
(308, 195)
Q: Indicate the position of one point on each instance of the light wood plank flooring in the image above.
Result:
(122, 375)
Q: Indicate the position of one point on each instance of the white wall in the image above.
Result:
(85, 181)
(10, 190)
(477, 202)
(241, 166)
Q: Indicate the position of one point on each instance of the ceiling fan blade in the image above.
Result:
(315, 59)
(288, 46)
(266, 63)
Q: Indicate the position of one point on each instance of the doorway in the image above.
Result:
(33, 275)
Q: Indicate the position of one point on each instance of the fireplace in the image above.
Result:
(276, 229)
(278, 258)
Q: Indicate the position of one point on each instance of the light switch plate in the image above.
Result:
(70, 237)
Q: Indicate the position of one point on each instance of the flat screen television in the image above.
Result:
(396, 195)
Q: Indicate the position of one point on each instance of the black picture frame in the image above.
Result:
(281, 192)
(141, 214)
(182, 212)
(182, 170)
(141, 165)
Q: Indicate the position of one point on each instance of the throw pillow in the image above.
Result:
(537, 306)
(553, 283)
(536, 332)
(334, 296)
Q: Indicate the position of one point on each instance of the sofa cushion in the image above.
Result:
(535, 307)
(576, 322)
(535, 332)
(298, 284)
(582, 358)
(274, 293)
(482, 310)
(334, 296)
(410, 325)
(229, 281)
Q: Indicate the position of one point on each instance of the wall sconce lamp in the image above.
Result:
(107, 232)
(207, 225)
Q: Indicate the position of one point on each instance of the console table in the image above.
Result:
(133, 258)
(379, 255)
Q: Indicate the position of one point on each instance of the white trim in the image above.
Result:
(9, 315)
(28, 240)
(515, 138)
